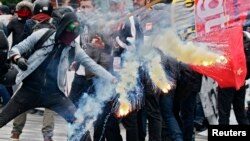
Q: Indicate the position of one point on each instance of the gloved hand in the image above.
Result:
(22, 63)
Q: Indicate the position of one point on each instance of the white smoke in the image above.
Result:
(90, 106)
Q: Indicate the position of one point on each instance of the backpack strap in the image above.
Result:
(39, 43)
(45, 36)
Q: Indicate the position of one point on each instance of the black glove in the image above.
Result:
(22, 63)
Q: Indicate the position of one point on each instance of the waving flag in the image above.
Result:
(219, 24)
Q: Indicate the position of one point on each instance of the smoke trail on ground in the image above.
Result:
(90, 106)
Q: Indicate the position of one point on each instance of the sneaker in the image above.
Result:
(47, 139)
(15, 137)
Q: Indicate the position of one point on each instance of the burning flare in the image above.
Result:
(124, 108)
(157, 74)
(128, 76)
(187, 52)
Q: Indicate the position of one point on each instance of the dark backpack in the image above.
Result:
(39, 43)
(34, 26)
(40, 25)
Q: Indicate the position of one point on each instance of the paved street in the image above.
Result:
(32, 130)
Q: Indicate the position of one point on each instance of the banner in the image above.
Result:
(218, 23)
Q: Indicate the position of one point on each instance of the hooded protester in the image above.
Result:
(4, 47)
(42, 10)
(4, 94)
(24, 11)
(16, 25)
(59, 12)
(44, 73)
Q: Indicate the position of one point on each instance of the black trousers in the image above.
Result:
(228, 97)
(112, 128)
(26, 99)
(151, 112)
(80, 85)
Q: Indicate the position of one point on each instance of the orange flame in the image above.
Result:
(124, 108)
(166, 89)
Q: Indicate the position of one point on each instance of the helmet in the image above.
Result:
(42, 6)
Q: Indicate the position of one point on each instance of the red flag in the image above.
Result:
(217, 22)
(233, 73)
(220, 22)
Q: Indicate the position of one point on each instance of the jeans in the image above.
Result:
(199, 113)
(184, 110)
(166, 104)
(4, 94)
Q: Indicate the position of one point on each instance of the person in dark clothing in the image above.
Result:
(43, 74)
(97, 49)
(58, 13)
(94, 46)
(4, 94)
(16, 24)
(4, 47)
(166, 101)
(41, 18)
(188, 86)
(230, 96)
(151, 111)
(130, 29)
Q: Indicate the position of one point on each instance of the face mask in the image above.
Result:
(24, 13)
(67, 37)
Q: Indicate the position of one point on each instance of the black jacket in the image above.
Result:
(16, 26)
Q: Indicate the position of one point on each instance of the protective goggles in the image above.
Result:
(73, 27)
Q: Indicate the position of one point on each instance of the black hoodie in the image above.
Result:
(66, 20)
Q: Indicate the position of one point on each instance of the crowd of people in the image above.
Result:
(48, 41)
